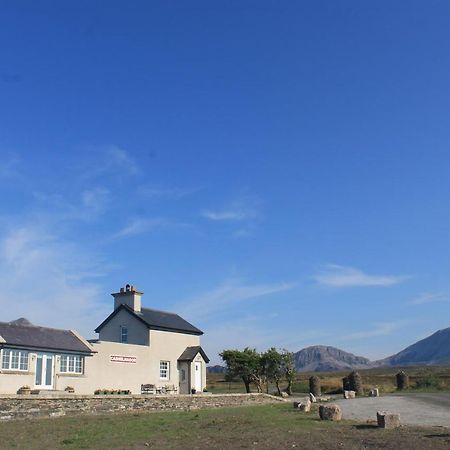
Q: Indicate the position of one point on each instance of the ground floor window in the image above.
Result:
(164, 370)
(15, 359)
(71, 364)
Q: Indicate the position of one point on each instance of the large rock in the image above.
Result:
(304, 405)
(312, 398)
(388, 420)
(374, 392)
(330, 412)
(349, 394)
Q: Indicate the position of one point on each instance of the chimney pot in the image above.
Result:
(122, 290)
(127, 287)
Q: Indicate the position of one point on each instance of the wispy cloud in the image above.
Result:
(431, 297)
(378, 329)
(51, 281)
(226, 215)
(342, 276)
(165, 192)
(109, 161)
(139, 226)
(88, 206)
(230, 293)
(243, 209)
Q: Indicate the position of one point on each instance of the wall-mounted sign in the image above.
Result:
(123, 359)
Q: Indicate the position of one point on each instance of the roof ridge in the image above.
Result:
(34, 326)
(161, 310)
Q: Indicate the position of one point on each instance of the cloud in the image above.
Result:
(109, 161)
(341, 276)
(379, 329)
(50, 281)
(225, 215)
(139, 226)
(429, 297)
(120, 158)
(243, 209)
(87, 207)
(230, 293)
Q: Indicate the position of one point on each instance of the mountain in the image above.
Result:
(321, 358)
(433, 350)
(216, 369)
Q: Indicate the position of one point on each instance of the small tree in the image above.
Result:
(288, 366)
(272, 366)
(245, 364)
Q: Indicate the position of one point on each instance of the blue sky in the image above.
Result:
(276, 172)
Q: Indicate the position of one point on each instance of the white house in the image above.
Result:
(136, 346)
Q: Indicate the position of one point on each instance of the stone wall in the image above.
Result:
(31, 406)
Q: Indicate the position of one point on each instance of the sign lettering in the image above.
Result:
(123, 359)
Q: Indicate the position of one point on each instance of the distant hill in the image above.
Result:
(216, 369)
(433, 350)
(321, 358)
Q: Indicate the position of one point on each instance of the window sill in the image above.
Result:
(71, 375)
(16, 372)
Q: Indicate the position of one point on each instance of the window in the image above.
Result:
(15, 360)
(123, 334)
(71, 364)
(164, 369)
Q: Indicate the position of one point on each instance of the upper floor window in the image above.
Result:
(15, 359)
(164, 370)
(123, 334)
(71, 364)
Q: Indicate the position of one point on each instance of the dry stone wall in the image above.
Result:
(25, 407)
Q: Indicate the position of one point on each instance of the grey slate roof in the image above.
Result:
(191, 352)
(157, 320)
(30, 336)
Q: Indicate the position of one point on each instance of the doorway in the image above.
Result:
(44, 371)
(198, 376)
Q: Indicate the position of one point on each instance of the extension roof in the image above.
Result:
(191, 352)
(156, 320)
(30, 336)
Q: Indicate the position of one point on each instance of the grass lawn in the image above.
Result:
(276, 426)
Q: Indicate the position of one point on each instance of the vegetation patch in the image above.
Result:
(266, 427)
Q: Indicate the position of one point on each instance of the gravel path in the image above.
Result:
(414, 409)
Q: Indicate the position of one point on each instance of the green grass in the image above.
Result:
(161, 430)
(422, 379)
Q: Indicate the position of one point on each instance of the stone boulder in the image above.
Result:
(312, 398)
(388, 420)
(374, 392)
(349, 394)
(330, 412)
(304, 405)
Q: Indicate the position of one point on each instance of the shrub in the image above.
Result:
(428, 382)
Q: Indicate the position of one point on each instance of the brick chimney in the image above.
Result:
(128, 296)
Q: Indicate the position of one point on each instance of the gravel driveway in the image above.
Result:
(414, 409)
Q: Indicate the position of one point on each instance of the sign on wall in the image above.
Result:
(123, 359)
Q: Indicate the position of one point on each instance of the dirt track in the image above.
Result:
(414, 409)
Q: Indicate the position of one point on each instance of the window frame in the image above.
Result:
(123, 332)
(71, 364)
(21, 358)
(164, 369)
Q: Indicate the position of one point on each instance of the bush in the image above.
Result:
(428, 383)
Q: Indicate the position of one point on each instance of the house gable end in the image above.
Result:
(115, 312)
